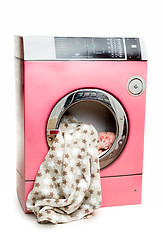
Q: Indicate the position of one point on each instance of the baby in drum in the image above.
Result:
(105, 140)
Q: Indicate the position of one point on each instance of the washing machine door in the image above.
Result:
(100, 99)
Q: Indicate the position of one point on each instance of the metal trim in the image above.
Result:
(143, 85)
(144, 55)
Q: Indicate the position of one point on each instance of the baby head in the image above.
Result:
(105, 140)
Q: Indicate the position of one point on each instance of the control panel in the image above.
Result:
(89, 48)
(97, 48)
(50, 48)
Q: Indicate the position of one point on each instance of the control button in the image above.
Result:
(133, 46)
(136, 85)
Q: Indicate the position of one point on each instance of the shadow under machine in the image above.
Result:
(101, 81)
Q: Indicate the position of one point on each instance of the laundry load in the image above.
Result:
(67, 186)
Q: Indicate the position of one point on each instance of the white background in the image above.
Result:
(85, 18)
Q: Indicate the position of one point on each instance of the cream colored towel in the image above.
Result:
(67, 186)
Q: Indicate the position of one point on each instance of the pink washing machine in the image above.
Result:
(99, 80)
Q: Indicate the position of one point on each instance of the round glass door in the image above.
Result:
(96, 107)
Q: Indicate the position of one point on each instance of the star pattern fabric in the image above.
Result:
(67, 186)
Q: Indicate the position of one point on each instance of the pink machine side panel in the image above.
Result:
(47, 82)
(19, 83)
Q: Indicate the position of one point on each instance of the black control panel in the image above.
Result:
(79, 48)
(89, 48)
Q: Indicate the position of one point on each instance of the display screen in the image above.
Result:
(89, 48)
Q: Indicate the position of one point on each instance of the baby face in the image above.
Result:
(105, 140)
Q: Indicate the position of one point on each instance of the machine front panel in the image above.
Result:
(40, 98)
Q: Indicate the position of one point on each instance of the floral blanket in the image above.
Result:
(67, 186)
